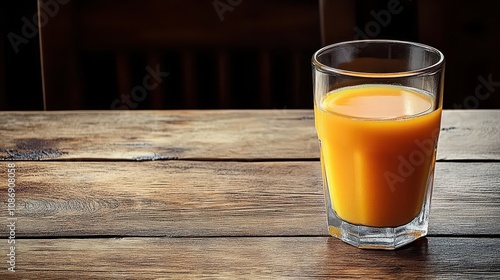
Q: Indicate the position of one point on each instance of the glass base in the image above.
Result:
(387, 238)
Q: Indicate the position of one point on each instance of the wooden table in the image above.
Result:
(222, 194)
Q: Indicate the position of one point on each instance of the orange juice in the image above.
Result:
(378, 147)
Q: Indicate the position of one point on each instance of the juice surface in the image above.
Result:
(378, 145)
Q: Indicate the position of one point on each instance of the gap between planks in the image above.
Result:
(233, 236)
(224, 160)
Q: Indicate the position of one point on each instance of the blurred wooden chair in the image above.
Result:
(250, 55)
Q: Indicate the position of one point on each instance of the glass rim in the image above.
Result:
(423, 70)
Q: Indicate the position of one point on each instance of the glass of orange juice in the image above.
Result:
(377, 107)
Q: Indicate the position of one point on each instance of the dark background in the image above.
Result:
(20, 74)
(238, 62)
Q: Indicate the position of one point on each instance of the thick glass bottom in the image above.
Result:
(388, 238)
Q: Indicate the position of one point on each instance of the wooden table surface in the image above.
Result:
(222, 194)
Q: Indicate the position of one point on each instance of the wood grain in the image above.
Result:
(470, 135)
(251, 258)
(147, 135)
(184, 198)
(224, 134)
(224, 194)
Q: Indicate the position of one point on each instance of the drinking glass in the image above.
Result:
(377, 106)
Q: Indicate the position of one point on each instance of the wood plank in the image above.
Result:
(158, 134)
(184, 198)
(468, 195)
(222, 134)
(470, 134)
(251, 258)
